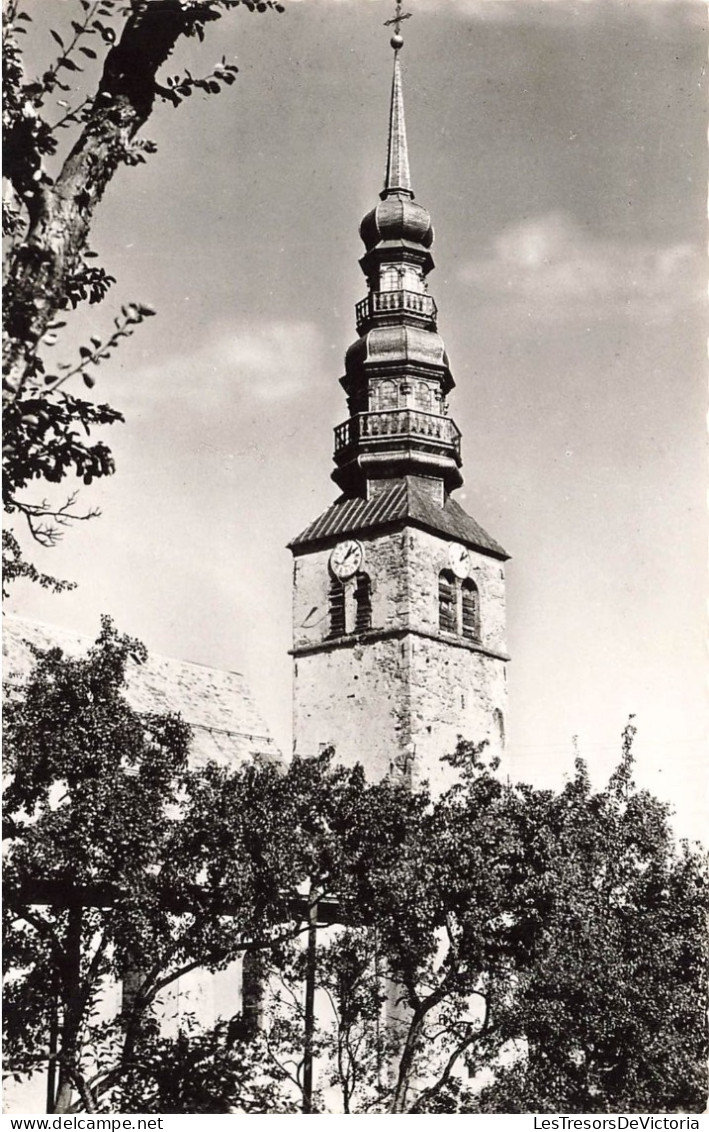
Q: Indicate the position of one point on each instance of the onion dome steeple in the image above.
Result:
(397, 216)
(397, 375)
(398, 594)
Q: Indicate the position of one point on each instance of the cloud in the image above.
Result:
(658, 12)
(551, 266)
(270, 361)
(267, 362)
(661, 13)
(591, 10)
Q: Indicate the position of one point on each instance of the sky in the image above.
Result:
(560, 148)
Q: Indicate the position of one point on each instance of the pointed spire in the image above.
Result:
(398, 177)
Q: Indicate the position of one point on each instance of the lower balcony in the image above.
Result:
(411, 425)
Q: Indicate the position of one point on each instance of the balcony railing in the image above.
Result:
(427, 428)
(403, 302)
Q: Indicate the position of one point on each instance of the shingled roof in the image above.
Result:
(404, 502)
(226, 726)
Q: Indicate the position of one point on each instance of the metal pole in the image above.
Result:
(53, 1045)
(309, 1008)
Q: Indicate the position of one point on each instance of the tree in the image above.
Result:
(52, 193)
(432, 932)
(452, 926)
(124, 863)
(612, 1010)
(497, 949)
(206, 1071)
(526, 951)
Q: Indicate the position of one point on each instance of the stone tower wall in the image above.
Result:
(397, 697)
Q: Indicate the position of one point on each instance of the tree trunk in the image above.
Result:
(410, 1048)
(60, 214)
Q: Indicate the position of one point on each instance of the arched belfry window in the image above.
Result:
(447, 602)
(423, 397)
(470, 608)
(363, 603)
(388, 397)
(350, 605)
(336, 608)
(389, 279)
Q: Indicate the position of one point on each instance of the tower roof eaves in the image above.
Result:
(402, 504)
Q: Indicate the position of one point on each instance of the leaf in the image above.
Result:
(89, 381)
(56, 37)
(69, 65)
(89, 52)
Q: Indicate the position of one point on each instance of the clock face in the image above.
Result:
(459, 558)
(347, 558)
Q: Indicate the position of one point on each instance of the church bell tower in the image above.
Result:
(398, 594)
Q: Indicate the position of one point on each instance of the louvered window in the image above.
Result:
(447, 611)
(337, 608)
(471, 610)
(363, 603)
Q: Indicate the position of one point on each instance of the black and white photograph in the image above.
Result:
(355, 478)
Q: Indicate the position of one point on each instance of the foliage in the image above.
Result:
(204, 1071)
(613, 1006)
(15, 566)
(126, 863)
(447, 926)
(431, 932)
(63, 145)
(497, 949)
(524, 951)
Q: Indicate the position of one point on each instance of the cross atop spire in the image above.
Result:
(398, 176)
(396, 22)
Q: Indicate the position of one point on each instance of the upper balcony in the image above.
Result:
(387, 306)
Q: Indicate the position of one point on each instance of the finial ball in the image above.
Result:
(397, 42)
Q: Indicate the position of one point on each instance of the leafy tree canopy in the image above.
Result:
(613, 1007)
(529, 951)
(64, 140)
(124, 861)
(496, 949)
